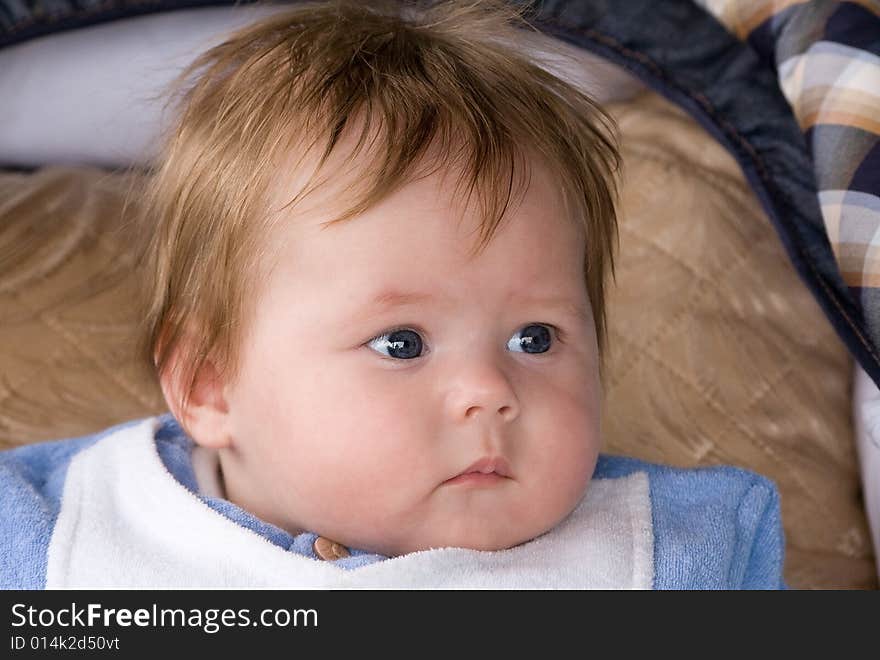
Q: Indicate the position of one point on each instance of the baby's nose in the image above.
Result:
(482, 390)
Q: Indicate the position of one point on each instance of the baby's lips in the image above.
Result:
(488, 465)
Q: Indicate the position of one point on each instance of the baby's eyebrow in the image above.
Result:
(389, 299)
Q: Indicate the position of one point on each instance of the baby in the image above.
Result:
(378, 247)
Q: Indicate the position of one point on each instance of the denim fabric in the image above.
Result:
(677, 49)
(21, 20)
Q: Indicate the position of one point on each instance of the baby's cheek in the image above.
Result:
(579, 407)
(572, 460)
(378, 443)
(570, 444)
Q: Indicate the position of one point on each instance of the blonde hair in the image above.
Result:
(447, 71)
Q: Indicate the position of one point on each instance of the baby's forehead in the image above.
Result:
(363, 150)
(409, 244)
(431, 199)
(353, 159)
(304, 188)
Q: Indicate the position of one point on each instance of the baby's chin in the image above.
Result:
(483, 544)
(502, 531)
(485, 539)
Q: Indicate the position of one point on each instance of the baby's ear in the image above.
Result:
(205, 416)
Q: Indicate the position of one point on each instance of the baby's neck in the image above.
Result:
(208, 473)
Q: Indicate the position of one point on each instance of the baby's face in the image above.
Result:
(384, 362)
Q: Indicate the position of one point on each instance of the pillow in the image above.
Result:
(866, 415)
(88, 95)
(718, 353)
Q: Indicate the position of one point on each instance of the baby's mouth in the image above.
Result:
(487, 471)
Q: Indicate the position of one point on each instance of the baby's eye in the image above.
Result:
(403, 344)
(533, 338)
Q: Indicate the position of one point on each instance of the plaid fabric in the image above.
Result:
(827, 57)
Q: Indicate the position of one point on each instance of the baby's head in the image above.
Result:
(377, 275)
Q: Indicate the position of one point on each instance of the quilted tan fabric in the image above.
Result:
(718, 353)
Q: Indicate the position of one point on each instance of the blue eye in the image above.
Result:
(403, 344)
(532, 338)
